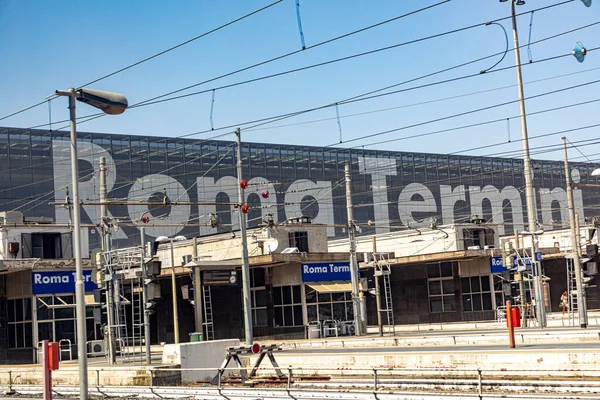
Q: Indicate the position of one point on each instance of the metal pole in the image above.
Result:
(197, 291)
(174, 288)
(377, 293)
(245, 265)
(581, 306)
(522, 292)
(106, 247)
(79, 286)
(145, 314)
(353, 264)
(529, 194)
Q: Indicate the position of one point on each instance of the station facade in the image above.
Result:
(390, 189)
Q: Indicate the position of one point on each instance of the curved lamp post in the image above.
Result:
(109, 103)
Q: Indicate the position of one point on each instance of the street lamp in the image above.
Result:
(109, 103)
(164, 239)
(529, 194)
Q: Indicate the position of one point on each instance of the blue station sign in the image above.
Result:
(326, 272)
(497, 265)
(51, 282)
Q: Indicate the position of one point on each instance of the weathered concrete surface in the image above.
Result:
(208, 354)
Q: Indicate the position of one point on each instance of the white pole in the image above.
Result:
(581, 302)
(353, 264)
(529, 194)
(79, 285)
(245, 264)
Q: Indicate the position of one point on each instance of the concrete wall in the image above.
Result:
(199, 355)
(229, 246)
(8, 235)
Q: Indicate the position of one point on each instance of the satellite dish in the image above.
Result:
(587, 2)
(271, 244)
(579, 51)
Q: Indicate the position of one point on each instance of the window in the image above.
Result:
(258, 297)
(56, 318)
(476, 293)
(287, 306)
(299, 240)
(440, 284)
(324, 306)
(19, 323)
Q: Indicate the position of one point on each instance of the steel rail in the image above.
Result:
(244, 393)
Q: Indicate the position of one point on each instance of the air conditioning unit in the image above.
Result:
(96, 348)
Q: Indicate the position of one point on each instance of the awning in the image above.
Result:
(331, 287)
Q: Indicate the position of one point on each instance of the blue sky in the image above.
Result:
(56, 45)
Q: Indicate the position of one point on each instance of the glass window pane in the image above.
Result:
(19, 310)
(449, 303)
(20, 335)
(43, 312)
(261, 317)
(485, 284)
(298, 316)
(477, 302)
(287, 295)
(297, 295)
(311, 313)
(12, 339)
(448, 286)
(435, 287)
(261, 298)
(433, 270)
(278, 311)
(288, 316)
(324, 297)
(339, 311)
(446, 269)
(435, 304)
(349, 311)
(464, 284)
(64, 313)
(45, 331)
(467, 305)
(277, 299)
(28, 334)
(65, 330)
(11, 311)
(311, 294)
(487, 301)
(339, 296)
(475, 286)
(324, 311)
(27, 309)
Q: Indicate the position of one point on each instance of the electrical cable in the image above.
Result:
(157, 54)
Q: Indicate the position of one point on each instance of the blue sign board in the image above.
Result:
(50, 282)
(527, 260)
(326, 272)
(497, 265)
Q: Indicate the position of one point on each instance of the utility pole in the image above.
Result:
(377, 293)
(197, 290)
(174, 296)
(529, 194)
(245, 264)
(104, 232)
(522, 291)
(581, 298)
(353, 263)
(79, 285)
(145, 314)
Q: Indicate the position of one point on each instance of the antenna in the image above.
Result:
(579, 51)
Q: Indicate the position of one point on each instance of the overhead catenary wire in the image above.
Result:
(157, 54)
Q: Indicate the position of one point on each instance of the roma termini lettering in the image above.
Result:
(394, 188)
